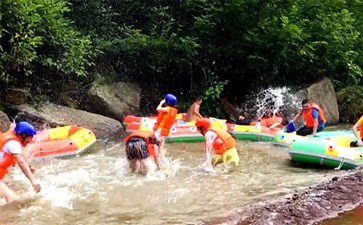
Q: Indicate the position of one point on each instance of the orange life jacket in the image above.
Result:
(223, 142)
(144, 135)
(308, 115)
(165, 120)
(6, 159)
(267, 122)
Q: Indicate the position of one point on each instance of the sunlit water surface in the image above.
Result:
(97, 188)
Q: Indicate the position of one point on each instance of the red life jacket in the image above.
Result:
(223, 142)
(6, 159)
(308, 115)
(165, 120)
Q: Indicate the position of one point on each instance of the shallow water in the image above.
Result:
(353, 217)
(97, 188)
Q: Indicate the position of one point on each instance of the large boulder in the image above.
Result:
(4, 122)
(323, 93)
(115, 100)
(17, 95)
(350, 103)
(51, 115)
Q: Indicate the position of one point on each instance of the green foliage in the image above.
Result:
(350, 103)
(186, 47)
(36, 35)
(211, 97)
(183, 45)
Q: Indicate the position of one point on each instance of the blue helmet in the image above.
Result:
(25, 128)
(170, 99)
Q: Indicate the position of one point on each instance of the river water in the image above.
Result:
(97, 188)
(354, 217)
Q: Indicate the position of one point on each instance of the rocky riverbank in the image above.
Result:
(308, 207)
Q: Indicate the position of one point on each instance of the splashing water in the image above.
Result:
(272, 101)
(99, 188)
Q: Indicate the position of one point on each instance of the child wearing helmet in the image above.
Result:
(141, 151)
(220, 145)
(11, 144)
(165, 120)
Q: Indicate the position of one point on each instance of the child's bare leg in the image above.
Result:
(162, 151)
(137, 166)
(147, 166)
(8, 194)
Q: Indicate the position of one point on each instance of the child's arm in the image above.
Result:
(160, 106)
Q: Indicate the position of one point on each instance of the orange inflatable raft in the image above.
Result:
(136, 119)
(60, 142)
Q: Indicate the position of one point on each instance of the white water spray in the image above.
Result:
(272, 101)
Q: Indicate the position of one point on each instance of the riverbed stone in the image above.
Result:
(350, 104)
(17, 95)
(52, 115)
(112, 99)
(323, 93)
(4, 122)
(307, 207)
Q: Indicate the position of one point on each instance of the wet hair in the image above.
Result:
(305, 101)
(20, 117)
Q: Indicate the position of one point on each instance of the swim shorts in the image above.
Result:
(229, 156)
(136, 148)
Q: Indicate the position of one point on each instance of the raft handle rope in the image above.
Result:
(342, 161)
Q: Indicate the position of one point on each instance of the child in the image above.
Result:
(141, 150)
(165, 120)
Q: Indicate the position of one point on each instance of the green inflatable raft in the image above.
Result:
(330, 153)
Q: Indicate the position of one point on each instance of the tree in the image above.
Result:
(35, 35)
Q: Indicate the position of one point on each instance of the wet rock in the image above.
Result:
(17, 96)
(350, 103)
(295, 197)
(330, 186)
(51, 115)
(115, 100)
(307, 207)
(4, 122)
(323, 93)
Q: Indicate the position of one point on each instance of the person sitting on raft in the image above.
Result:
(274, 121)
(358, 132)
(164, 122)
(11, 152)
(220, 146)
(193, 113)
(141, 149)
(314, 118)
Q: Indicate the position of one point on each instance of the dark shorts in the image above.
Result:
(354, 143)
(307, 131)
(136, 148)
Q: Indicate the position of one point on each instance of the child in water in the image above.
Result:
(166, 117)
(142, 153)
